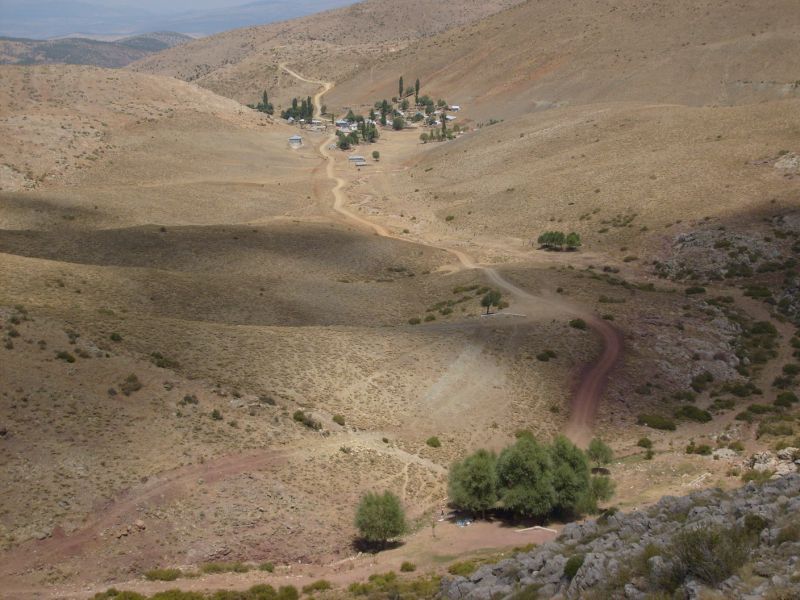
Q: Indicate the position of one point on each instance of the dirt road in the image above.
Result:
(593, 379)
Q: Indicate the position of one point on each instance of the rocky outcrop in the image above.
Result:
(688, 544)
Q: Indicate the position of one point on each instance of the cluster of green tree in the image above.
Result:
(366, 133)
(303, 109)
(264, 106)
(437, 135)
(404, 92)
(556, 240)
(530, 479)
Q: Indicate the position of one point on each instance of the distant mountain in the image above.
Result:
(42, 19)
(82, 51)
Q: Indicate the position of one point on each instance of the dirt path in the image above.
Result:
(593, 379)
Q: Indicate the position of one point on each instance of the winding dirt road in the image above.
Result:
(593, 380)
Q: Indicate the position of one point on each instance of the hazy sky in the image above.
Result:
(173, 5)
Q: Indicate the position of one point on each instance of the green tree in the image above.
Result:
(401, 87)
(599, 452)
(376, 155)
(472, 483)
(380, 517)
(416, 91)
(525, 478)
(602, 489)
(424, 138)
(552, 239)
(572, 240)
(398, 123)
(571, 479)
(492, 298)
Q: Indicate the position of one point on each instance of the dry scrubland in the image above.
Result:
(335, 44)
(192, 254)
(151, 227)
(541, 55)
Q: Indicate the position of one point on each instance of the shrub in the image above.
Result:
(162, 361)
(65, 356)
(788, 533)
(645, 442)
(318, 586)
(414, 321)
(449, 218)
(695, 289)
(216, 415)
(786, 399)
(224, 567)
(338, 419)
(163, 574)
(757, 476)
(573, 566)
(433, 442)
(408, 567)
(692, 413)
(307, 420)
(775, 429)
(287, 592)
(267, 567)
(649, 454)
(546, 355)
(578, 324)
(463, 568)
(711, 554)
(130, 385)
(115, 337)
(656, 422)
(701, 381)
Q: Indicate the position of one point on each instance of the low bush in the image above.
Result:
(130, 385)
(711, 554)
(578, 324)
(645, 442)
(656, 422)
(573, 565)
(464, 568)
(786, 399)
(408, 567)
(434, 442)
(757, 476)
(163, 574)
(267, 567)
(546, 355)
(692, 413)
(65, 356)
(339, 420)
(307, 420)
(224, 567)
(216, 415)
(115, 337)
(320, 585)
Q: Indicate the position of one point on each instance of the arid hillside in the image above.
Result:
(57, 121)
(618, 174)
(82, 51)
(336, 44)
(544, 54)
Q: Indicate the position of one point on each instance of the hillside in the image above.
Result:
(544, 54)
(334, 44)
(82, 51)
(60, 120)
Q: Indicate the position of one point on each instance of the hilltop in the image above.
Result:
(83, 51)
(544, 54)
(336, 44)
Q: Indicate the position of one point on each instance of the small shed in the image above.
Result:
(295, 141)
(356, 158)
